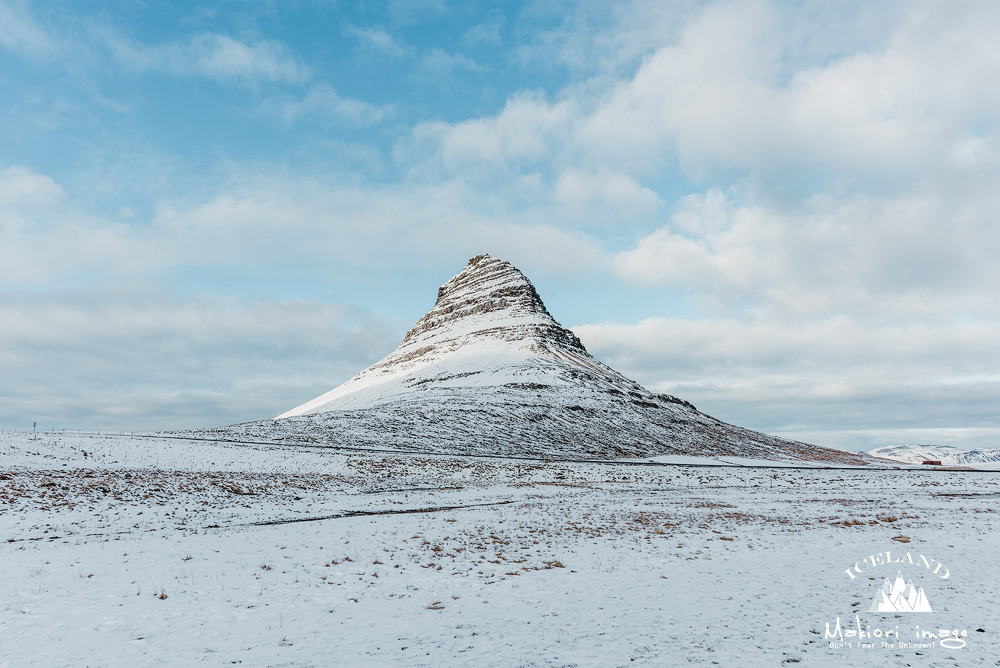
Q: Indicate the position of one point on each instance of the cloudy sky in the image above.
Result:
(786, 213)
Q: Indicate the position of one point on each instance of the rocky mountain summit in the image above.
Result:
(487, 371)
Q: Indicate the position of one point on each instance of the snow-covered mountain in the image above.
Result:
(487, 330)
(488, 371)
(946, 454)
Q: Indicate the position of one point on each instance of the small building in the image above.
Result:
(933, 462)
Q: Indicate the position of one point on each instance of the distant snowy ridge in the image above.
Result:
(948, 455)
(488, 371)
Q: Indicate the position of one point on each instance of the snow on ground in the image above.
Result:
(131, 551)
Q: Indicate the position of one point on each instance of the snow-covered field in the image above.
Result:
(129, 550)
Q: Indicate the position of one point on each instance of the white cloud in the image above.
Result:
(25, 198)
(21, 33)
(488, 31)
(441, 63)
(874, 97)
(258, 217)
(706, 249)
(528, 130)
(917, 254)
(434, 61)
(377, 40)
(604, 198)
(211, 55)
(20, 186)
(843, 381)
(324, 102)
(832, 180)
(733, 92)
(141, 358)
(598, 38)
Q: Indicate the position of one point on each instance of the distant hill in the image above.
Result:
(947, 454)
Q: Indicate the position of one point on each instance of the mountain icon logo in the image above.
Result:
(900, 596)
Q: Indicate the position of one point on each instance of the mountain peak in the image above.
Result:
(489, 293)
(487, 328)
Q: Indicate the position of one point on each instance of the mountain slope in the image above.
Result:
(488, 371)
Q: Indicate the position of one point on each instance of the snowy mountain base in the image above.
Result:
(124, 551)
(536, 422)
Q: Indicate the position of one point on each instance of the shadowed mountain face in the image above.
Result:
(488, 371)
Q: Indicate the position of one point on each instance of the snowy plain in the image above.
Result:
(133, 550)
